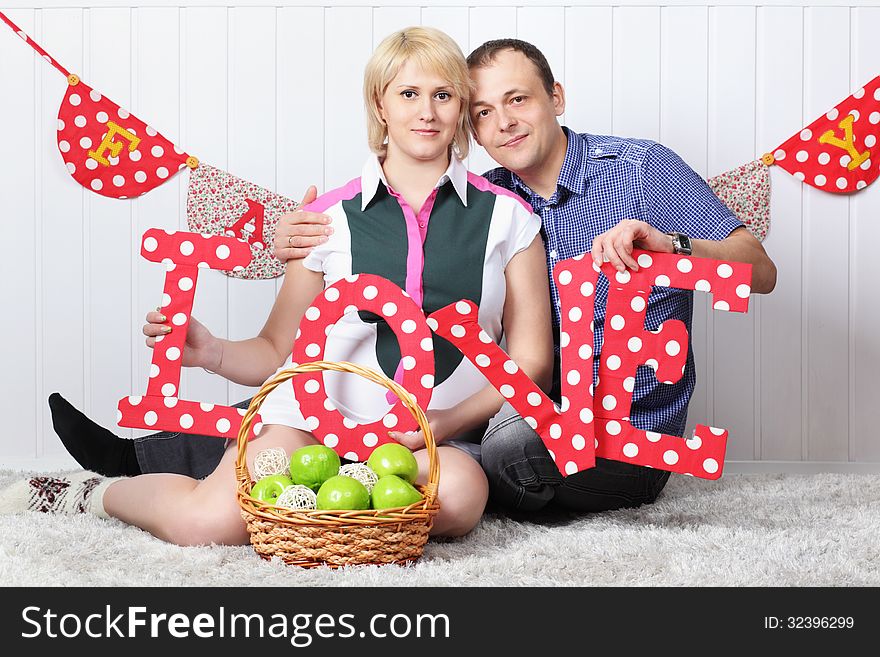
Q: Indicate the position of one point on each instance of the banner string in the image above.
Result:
(33, 44)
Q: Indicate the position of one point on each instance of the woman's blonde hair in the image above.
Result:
(434, 51)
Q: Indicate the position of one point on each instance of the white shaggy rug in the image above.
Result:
(743, 530)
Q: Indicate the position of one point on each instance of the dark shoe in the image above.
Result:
(94, 447)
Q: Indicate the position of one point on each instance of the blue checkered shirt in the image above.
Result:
(607, 179)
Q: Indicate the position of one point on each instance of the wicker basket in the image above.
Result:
(337, 538)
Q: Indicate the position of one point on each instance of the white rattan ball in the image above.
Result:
(362, 472)
(297, 497)
(271, 461)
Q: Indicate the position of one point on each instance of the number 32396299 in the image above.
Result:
(809, 622)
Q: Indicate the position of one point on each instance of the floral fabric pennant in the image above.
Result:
(745, 190)
(219, 203)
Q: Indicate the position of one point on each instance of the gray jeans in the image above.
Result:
(522, 476)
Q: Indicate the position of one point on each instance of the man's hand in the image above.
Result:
(616, 245)
(442, 423)
(298, 232)
(202, 349)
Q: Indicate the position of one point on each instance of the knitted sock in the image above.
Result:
(78, 492)
(94, 447)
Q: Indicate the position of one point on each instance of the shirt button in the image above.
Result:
(597, 151)
(553, 254)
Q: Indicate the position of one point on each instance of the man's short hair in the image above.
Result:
(485, 54)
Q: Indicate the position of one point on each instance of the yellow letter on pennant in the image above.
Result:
(114, 146)
(847, 143)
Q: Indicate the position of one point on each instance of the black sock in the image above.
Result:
(94, 447)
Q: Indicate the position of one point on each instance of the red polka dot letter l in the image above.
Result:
(160, 409)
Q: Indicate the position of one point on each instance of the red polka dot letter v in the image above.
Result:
(568, 431)
(183, 255)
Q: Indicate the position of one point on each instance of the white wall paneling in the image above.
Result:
(778, 107)
(273, 95)
(864, 268)
(731, 142)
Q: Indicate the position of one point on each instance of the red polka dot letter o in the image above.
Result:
(567, 432)
(627, 345)
(110, 151)
(160, 409)
(380, 296)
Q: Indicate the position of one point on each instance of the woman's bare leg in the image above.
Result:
(187, 511)
(463, 490)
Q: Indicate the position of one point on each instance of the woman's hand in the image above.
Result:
(443, 425)
(298, 232)
(202, 349)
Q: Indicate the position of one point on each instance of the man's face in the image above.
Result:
(514, 117)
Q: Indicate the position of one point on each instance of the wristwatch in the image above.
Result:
(681, 244)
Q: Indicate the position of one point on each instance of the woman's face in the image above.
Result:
(421, 112)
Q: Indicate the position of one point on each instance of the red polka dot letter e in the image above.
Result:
(110, 151)
(836, 152)
(183, 255)
(627, 345)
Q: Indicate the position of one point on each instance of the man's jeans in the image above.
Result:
(522, 476)
(181, 453)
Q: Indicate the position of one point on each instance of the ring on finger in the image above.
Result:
(290, 241)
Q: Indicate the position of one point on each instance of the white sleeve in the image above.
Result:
(524, 225)
(314, 261)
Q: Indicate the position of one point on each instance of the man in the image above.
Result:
(593, 193)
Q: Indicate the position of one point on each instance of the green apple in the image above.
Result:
(392, 491)
(342, 493)
(269, 488)
(313, 465)
(394, 459)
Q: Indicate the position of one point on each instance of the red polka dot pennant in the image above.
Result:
(110, 151)
(183, 255)
(380, 296)
(836, 152)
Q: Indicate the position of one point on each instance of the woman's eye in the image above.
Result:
(409, 93)
(443, 95)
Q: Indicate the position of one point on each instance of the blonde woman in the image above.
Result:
(415, 216)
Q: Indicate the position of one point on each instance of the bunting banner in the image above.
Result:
(106, 148)
(219, 203)
(833, 153)
(109, 150)
(745, 190)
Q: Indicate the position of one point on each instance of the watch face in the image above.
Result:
(685, 243)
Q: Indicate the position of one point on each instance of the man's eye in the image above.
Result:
(518, 99)
(482, 114)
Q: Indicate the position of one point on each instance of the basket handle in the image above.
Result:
(242, 473)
